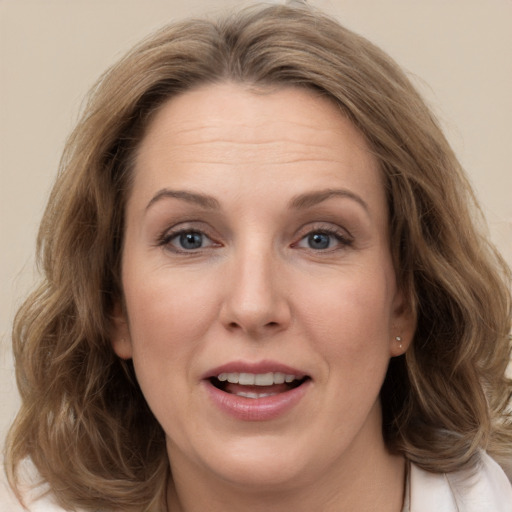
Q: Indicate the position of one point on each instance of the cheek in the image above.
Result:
(168, 321)
(169, 315)
(351, 318)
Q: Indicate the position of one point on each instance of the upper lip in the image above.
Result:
(259, 367)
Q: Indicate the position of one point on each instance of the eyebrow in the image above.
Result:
(203, 200)
(309, 199)
(300, 202)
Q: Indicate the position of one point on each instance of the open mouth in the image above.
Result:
(257, 385)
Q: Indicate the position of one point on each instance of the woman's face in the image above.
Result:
(256, 250)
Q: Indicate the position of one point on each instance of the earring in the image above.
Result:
(399, 339)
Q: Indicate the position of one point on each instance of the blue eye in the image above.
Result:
(186, 241)
(319, 240)
(323, 240)
(190, 240)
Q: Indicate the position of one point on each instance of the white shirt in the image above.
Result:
(486, 490)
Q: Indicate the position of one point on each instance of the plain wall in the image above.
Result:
(51, 51)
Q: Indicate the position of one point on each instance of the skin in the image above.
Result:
(257, 290)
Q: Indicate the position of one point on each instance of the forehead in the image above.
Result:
(290, 134)
(248, 115)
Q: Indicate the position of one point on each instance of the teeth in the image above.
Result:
(233, 377)
(254, 395)
(256, 379)
(264, 379)
(279, 378)
(247, 379)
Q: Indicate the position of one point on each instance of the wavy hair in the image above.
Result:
(84, 421)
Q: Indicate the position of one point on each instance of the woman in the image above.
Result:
(264, 289)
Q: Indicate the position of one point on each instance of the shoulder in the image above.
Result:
(9, 503)
(35, 501)
(486, 489)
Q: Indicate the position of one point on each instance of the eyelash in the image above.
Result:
(343, 241)
(165, 239)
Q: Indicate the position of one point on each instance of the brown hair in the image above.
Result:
(83, 420)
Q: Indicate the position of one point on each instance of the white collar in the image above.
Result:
(486, 489)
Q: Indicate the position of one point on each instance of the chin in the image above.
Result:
(263, 475)
(266, 464)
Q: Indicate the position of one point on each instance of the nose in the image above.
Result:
(255, 301)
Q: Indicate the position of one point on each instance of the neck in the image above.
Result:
(365, 479)
(364, 496)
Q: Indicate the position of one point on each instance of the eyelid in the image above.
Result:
(343, 236)
(327, 226)
(166, 236)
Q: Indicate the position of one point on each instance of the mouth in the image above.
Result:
(257, 385)
(257, 391)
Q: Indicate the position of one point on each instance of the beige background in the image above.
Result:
(458, 52)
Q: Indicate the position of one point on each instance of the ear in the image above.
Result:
(120, 332)
(403, 325)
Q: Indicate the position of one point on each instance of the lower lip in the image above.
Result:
(256, 409)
